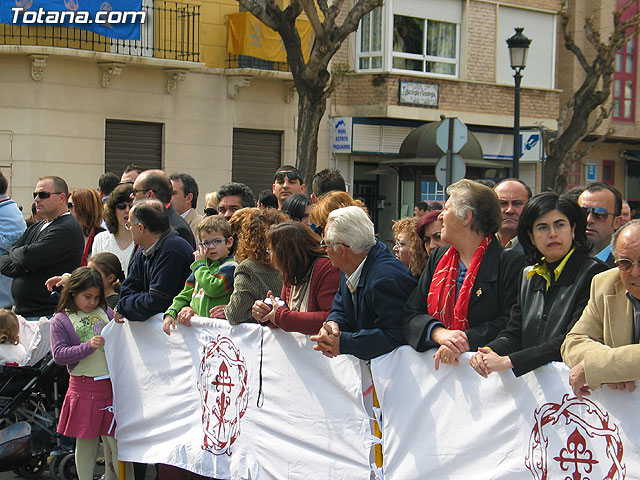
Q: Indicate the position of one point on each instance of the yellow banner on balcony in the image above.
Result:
(246, 35)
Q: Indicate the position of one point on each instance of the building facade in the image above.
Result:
(415, 61)
(77, 104)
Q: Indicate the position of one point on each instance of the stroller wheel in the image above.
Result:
(54, 465)
(67, 469)
(34, 468)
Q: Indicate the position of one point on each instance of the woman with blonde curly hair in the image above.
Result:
(327, 204)
(408, 247)
(254, 276)
(85, 205)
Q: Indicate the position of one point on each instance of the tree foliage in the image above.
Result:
(312, 79)
(591, 96)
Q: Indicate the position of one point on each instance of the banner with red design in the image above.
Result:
(238, 401)
(455, 424)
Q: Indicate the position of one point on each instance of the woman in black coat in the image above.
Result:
(465, 293)
(554, 288)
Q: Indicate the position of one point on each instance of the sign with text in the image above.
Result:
(341, 134)
(591, 170)
(418, 93)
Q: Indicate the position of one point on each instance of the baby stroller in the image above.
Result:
(29, 408)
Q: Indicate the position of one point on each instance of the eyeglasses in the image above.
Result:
(209, 212)
(134, 191)
(626, 265)
(325, 244)
(44, 194)
(279, 176)
(69, 205)
(129, 226)
(215, 242)
(599, 213)
(123, 205)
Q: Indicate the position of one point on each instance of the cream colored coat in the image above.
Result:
(193, 219)
(603, 336)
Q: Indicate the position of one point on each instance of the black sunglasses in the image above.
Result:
(599, 213)
(44, 194)
(134, 191)
(209, 212)
(123, 205)
(291, 175)
(69, 205)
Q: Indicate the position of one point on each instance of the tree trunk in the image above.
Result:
(312, 105)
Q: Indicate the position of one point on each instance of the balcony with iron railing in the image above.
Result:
(171, 32)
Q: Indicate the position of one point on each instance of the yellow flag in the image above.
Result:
(246, 35)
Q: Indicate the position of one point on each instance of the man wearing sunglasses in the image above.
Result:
(602, 347)
(602, 203)
(46, 249)
(287, 181)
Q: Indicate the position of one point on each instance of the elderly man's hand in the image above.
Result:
(578, 381)
(629, 386)
(328, 339)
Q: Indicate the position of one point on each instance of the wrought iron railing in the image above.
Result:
(171, 31)
(245, 61)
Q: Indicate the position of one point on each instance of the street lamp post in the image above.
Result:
(518, 47)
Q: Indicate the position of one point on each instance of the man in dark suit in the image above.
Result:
(46, 249)
(366, 316)
(156, 184)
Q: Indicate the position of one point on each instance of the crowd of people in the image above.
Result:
(516, 279)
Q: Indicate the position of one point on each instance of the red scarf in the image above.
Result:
(441, 299)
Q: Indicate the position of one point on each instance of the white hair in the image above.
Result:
(350, 226)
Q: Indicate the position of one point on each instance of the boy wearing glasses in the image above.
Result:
(211, 281)
(287, 181)
(602, 204)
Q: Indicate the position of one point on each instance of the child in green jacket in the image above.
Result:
(211, 280)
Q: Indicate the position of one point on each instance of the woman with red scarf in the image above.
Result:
(465, 293)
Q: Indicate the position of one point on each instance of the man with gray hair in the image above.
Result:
(602, 347)
(366, 316)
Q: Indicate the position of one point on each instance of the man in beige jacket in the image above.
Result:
(184, 199)
(602, 347)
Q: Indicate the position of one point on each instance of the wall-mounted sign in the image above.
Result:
(341, 134)
(418, 93)
(591, 172)
(531, 146)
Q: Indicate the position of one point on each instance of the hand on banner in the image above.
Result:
(328, 339)
(445, 355)
(168, 324)
(629, 386)
(217, 312)
(487, 361)
(117, 317)
(578, 381)
(262, 312)
(184, 317)
(455, 340)
(97, 341)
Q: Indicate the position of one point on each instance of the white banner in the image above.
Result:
(454, 424)
(190, 400)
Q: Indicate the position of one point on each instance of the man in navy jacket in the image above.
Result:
(159, 267)
(366, 316)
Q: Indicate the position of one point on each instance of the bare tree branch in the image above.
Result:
(569, 43)
(309, 8)
(353, 18)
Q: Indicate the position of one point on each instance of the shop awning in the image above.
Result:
(420, 148)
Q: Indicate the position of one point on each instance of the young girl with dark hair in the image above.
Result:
(76, 341)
